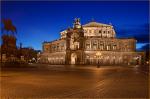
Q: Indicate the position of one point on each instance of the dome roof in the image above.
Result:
(95, 24)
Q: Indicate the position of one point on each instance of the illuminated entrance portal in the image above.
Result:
(73, 58)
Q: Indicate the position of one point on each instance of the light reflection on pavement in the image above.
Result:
(62, 81)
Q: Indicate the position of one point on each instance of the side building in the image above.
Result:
(92, 43)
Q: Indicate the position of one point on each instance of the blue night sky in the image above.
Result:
(37, 21)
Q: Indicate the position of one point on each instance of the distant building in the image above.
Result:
(92, 43)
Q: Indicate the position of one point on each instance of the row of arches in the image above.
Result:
(113, 60)
(95, 59)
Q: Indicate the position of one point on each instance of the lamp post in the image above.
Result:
(98, 54)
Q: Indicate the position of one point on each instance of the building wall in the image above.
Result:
(107, 44)
(55, 46)
(79, 45)
(114, 52)
(93, 44)
(53, 58)
(114, 58)
(102, 32)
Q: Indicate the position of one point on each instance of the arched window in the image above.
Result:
(54, 47)
(62, 46)
(87, 45)
(108, 47)
(104, 34)
(100, 31)
(108, 34)
(114, 47)
(90, 31)
(101, 46)
(95, 45)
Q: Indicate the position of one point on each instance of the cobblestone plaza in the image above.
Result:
(63, 81)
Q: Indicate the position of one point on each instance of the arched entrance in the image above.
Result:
(73, 58)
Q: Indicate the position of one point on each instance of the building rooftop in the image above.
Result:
(95, 24)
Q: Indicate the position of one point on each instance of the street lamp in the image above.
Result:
(98, 54)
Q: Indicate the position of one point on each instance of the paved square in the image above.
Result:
(47, 81)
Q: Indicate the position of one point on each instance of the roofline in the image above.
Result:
(96, 26)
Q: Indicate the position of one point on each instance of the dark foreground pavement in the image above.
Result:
(46, 81)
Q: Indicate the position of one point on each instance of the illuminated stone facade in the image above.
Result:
(92, 43)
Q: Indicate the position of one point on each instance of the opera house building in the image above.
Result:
(92, 43)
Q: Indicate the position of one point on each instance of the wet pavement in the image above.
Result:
(65, 81)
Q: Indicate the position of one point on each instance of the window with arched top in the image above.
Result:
(87, 45)
(108, 48)
(95, 41)
(108, 34)
(104, 34)
(101, 47)
(94, 44)
(85, 31)
(55, 47)
(114, 47)
(90, 31)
